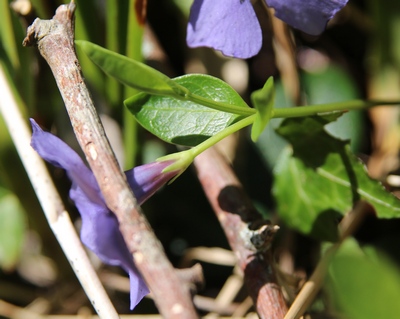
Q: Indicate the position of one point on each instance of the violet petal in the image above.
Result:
(146, 179)
(100, 228)
(308, 16)
(55, 151)
(100, 233)
(230, 26)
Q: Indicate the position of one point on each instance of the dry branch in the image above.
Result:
(248, 235)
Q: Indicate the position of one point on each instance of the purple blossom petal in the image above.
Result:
(100, 233)
(146, 179)
(309, 16)
(100, 228)
(58, 153)
(230, 26)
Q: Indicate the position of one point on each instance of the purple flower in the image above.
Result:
(231, 26)
(309, 16)
(100, 229)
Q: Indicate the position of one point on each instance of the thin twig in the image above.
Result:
(55, 40)
(51, 203)
(310, 289)
(238, 218)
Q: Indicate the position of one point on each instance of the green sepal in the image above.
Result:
(263, 100)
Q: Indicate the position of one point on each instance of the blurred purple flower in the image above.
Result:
(231, 26)
(100, 229)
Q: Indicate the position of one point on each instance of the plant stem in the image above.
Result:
(185, 158)
(285, 113)
(236, 214)
(222, 134)
(326, 108)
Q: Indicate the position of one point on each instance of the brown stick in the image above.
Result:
(55, 40)
(248, 238)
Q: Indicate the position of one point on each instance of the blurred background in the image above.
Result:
(358, 56)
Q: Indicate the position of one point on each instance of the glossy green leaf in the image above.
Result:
(185, 122)
(130, 72)
(364, 287)
(12, 227)
(263, 101)
(321, 179)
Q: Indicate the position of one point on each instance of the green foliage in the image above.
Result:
(148, 80)
(185, 122)
(317, 179)
(321, 180)
(12, 229)
(364, 286)
(130, 72)
(263, 100)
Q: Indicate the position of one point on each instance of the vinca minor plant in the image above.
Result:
(319, 192)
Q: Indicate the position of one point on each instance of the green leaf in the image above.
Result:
(321, 179)
(12, 227)
(263, 101)
(364, 287)
(185, 122)
(132, 73)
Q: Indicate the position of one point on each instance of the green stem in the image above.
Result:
(186, 157)
(287, 112)
(325, 108)
(220, 106)
(222, 134)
